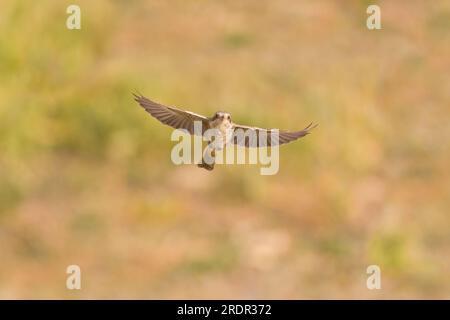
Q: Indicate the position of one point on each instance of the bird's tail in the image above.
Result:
(206, 166)
(208, 159)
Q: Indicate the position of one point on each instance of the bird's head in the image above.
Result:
(221, 117)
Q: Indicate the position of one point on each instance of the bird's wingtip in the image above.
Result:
(137, 95)
(310, 127)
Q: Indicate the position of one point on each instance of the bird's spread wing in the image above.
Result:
(256, 137)
(171, 116)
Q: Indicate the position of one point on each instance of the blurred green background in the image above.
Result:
(86, 176)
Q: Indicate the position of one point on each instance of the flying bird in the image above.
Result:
(221, 121)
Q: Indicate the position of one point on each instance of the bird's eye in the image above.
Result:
(229, 118)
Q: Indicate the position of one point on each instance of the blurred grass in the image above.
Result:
(86, 176)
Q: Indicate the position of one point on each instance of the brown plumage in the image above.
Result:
(171, 116)
(257, 137)
(228, 131)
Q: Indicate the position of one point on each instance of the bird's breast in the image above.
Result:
(223, 136)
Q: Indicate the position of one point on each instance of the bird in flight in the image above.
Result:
(251, 137)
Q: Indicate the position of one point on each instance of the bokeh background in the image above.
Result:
(86, 176)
